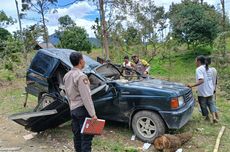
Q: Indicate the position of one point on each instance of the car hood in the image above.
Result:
(157, 84)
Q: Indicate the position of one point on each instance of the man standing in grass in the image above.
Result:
(214, 81)
(205, 88)
(80, 101)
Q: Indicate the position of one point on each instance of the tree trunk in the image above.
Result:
(224, 14)
(171, 143)
(21, 34)
(100, 32)
(44, 26)
(223, 23)
(104, 29)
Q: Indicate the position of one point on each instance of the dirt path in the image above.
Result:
(11, 136)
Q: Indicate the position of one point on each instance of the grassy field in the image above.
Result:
(117, 136)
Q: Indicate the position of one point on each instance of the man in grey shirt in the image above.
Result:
(80, 101)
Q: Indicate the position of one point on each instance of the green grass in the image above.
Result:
(116, 137)
(6, 75)
(12, 98)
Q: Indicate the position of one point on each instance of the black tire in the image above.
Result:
(147, 125)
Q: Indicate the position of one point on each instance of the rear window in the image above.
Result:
(43, 63)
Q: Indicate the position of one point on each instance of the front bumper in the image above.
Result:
(177, 119)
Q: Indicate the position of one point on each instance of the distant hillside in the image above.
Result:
(54, 39)
(95, 42)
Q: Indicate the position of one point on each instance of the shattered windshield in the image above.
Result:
(112, 72)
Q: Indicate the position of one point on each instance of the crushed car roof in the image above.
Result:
(63, 55)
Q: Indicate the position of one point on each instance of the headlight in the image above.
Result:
(177, 102)
(181, 101)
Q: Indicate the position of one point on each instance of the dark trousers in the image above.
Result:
(82, 143)
(205, 104)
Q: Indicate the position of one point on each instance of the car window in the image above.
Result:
(108, 71)
(43, 63)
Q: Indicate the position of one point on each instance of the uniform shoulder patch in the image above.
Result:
(85, 80)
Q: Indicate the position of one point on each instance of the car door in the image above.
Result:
(106, 102)
(38, 73)
(101, 94)
(51, 116)
(57, 112)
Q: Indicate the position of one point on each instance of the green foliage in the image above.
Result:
(97, 29)
(222, 60)
(75, 38)
(30, 35)
(5, 20)
(12, 46)
(6, 75)
(66, 21)
(132, 36)
(10, 52)
(8, 65)
(4, 34)
(36, 5)
(41, 7)
(194, 23)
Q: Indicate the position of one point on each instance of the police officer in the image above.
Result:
(141, 66)
(80, 101)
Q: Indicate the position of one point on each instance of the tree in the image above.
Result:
(194, 23)
(222, 60)
(30, 36)
(41, 7)
(4, 34)
(148, 19)
(132, 36)
(98, 32)
(5, 20)
(66, 21)
(75, 38)
(101, 5)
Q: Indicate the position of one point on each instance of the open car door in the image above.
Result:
(55, 111)
(51, 116)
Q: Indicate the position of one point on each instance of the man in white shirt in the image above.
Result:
(128, 66)
(205, 87)
(214, 80)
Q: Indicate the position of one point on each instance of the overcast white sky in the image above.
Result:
(83, 13)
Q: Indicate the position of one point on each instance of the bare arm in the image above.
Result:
(199, 82)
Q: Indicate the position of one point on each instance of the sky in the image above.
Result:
(83, 13)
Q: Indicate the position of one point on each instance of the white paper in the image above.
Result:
(29, 136)
(146, 146)
(133, 137)
(179, 150)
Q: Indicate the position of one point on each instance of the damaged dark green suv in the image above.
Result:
(149, 106)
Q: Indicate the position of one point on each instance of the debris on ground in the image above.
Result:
(179, 150)
(11, 149)
(146, 146)
(171, 142)
(29, 136)
(218, 139)
(200, 129)
(133, 137)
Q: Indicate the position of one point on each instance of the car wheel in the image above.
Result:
(147, 125)
(44, 101)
